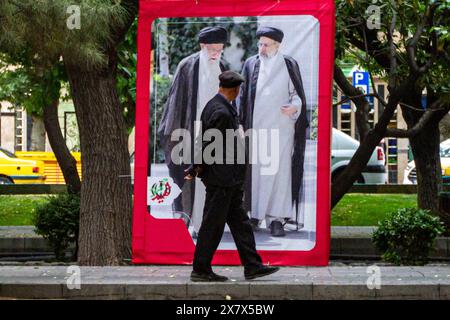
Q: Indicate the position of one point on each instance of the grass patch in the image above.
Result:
(353, 210)
(19, 210)
(367, 209)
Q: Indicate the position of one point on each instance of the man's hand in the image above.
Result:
(192, 172)
(288, 110)
(189, 173)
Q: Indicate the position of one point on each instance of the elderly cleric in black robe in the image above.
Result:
(273, 97)
(194, 84)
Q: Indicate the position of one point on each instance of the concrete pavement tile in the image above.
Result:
(342, 292)
(95, 291)
(299, 291)
(31, 291)
(444, 291)
(218, 291)
(156, 291)
(408, 292)
(266, 289)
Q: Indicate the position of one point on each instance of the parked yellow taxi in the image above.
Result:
(20, 171)
(52, 171)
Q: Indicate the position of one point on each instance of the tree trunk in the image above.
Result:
(444, 128)
(163, 49)
(105, 213)
(66, 161)
(425, 149)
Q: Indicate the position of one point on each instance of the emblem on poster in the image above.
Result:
(162, 191)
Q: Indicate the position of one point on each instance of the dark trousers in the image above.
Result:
(224, 205)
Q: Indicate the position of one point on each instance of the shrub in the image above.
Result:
(407, 236)
(58, 221)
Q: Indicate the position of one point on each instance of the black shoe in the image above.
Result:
(276, 229)
(255, 224)
(258, 272)
(207, 277)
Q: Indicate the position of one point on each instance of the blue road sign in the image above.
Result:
(361, 80)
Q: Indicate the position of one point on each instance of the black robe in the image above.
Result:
(246, 103)
(180, 112)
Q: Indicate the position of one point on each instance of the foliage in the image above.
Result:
(126, 75)
(58, 222)
(246, 32)
(23, 84)
(407, 236)
(23, 26)
(32, 73)
(351, 28)
(182, 37)
(31, 68)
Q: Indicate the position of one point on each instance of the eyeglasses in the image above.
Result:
(265, 45)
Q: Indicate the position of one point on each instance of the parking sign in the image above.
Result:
(361, 80)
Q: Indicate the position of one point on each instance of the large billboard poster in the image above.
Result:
(284, 51)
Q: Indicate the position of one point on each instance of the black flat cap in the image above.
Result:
(270, 32)
(230, 79)
(213, 35)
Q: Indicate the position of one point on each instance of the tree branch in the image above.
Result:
(411, 47)
(131, 6)
(355, 97)
(420, 125)
(376, 49)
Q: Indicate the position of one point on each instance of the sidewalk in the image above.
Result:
(172, 282)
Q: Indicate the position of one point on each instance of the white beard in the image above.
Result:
(267, 63)
(209, 71)
(206, 61)
(268, 56)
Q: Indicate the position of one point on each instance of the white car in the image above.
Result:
(342, 150)
(410, 176)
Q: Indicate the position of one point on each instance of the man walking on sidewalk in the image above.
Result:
(224, 190)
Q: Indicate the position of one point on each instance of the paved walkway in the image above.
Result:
(172, 282)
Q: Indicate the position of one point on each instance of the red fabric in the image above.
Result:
(167, 241)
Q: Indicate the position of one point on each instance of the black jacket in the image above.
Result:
(229, 171)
